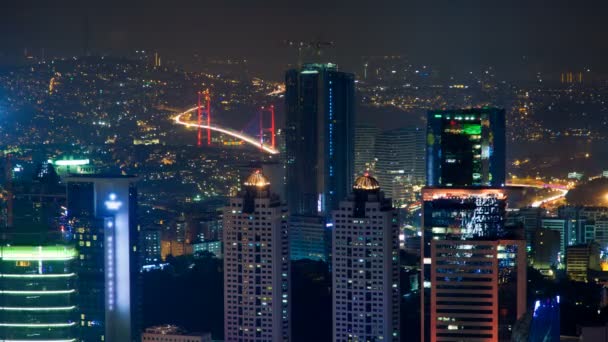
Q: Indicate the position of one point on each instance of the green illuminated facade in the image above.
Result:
(466, 147)
(37, 294)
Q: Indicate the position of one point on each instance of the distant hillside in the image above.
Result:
(591, 193)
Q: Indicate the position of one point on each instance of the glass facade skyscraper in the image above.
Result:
(320, 144)
(37, 295)
(400, 161)
(320, 132)
(466, 147)
(365, 148)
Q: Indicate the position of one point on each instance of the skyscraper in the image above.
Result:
(478, 289)
(400, 160)
(366, 266)
(151, 245)
(365, 148)
(474, 286)
(103, 211)
(320, 129)
(37, 298)
(319, 133)
(256, 265)
(466, 147)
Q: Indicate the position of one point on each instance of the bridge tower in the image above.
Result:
(271, 128)
(206, 96)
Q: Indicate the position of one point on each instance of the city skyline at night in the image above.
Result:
(319, 171)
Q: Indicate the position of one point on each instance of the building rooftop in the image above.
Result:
(169, 329)
(257, 179)
(366, 182)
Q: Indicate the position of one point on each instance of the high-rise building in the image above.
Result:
(546, 250)
(37, 296)
(256, 265)
(531, 220)
(470, 281)
(473, 268)
(580, 259)
(466, 148)
(320, 133)
(366, 266)
(400, 160)
(103, 211)
(601, 232)
(320, 145)
(455, 214)
(207, 246)
(560, 226)
(151, 245)
(365, 148)
(209, 226)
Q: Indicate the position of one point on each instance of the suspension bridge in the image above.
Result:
(265, 141)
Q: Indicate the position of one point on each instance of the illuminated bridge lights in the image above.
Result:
(47, 253)
(246, 138)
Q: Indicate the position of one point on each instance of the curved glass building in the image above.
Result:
(37, 294)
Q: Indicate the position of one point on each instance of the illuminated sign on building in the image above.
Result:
(465, 213)
(112, 203)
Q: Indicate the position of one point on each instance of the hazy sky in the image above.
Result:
(454, 35)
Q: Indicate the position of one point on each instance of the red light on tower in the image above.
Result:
(199, 141)
(208, 100)
(270, 129)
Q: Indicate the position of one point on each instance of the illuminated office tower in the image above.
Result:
(456, 220)
(464, 203)
(256, 265)
(37, 296)
(466, 148)
(366, 266)
(400, 161)
(580, 259)
(478, 289)
(320, 144)
(320, 133)
(103, 211)
(151, 245)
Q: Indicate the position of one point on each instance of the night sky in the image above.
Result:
(518, 37)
